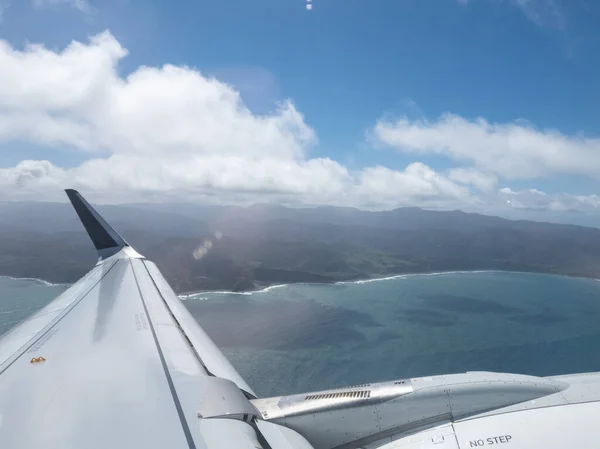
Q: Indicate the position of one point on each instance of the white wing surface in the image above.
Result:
(116, 361)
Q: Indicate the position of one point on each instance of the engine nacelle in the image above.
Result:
(366, 413)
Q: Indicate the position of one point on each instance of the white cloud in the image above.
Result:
(511, 150)
(484, 182)
(165, 132)
(76, 98)
(417, 184)
(41, 174)
(538, 200)
(500, 152)
(171, 133)
(81, 5)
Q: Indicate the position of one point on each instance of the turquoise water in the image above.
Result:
(306, 337)
(19, 298)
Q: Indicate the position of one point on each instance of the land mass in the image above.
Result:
(240, 248)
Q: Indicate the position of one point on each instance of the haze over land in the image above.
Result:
(237, 248)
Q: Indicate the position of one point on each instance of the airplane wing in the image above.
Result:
(117, 361)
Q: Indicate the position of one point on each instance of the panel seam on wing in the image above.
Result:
(23, 349)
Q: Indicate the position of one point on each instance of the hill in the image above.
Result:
(236, 248)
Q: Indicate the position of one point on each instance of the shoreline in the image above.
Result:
(38, 280)
(266, 287)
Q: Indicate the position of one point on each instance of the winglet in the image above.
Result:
(106, 240)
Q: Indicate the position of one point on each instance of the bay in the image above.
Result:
(300, 337)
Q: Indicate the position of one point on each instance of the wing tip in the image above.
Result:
(106, 240)
(73, 195)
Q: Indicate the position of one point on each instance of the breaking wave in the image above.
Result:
(39, 281)
(409, 275)
(201, 296)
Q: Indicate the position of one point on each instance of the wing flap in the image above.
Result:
(211, 357)
(281, 437)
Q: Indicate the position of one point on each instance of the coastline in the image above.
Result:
(266, 287)
(38, 280)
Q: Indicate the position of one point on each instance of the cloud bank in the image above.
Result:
(496, 153)
(513, 151)
(170, 131)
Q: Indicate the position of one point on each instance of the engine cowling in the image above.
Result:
(363, 414)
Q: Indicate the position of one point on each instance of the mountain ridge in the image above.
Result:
(243, 248)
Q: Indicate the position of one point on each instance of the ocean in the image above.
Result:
(295, 338)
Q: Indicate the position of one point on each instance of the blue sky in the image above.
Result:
(348, 66)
